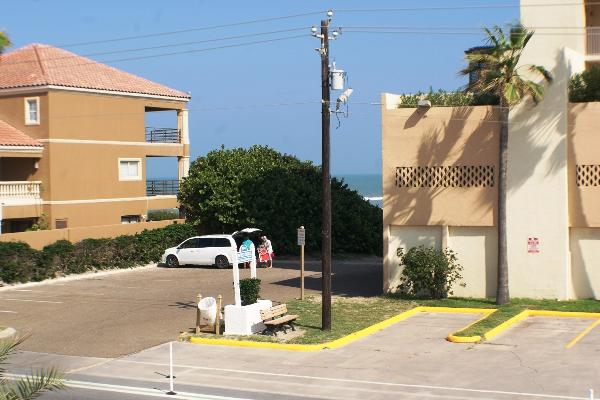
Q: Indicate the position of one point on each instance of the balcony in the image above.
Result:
(20, 192)
(162, 187)
(163, 135)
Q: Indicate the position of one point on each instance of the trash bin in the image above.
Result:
(208, 311)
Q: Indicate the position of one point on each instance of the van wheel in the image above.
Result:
(172, 261)
(222, 262)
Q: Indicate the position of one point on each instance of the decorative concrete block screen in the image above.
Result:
(445, 176)
(588, 175)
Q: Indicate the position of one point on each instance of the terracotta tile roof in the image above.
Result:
(11, 136)
(40, 65)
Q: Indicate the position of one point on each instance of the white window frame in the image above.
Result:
(27, 120)
(130, 178)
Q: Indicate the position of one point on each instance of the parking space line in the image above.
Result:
(8, 312)
(582, 334)
(33, 301)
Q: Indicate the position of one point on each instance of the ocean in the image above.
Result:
(368, 185)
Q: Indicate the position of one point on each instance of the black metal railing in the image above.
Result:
(155, 187)
(593, 41)
(163, 135)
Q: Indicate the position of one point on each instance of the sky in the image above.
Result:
(269, 93)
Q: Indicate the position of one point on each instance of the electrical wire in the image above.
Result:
(203, 28)
(466, 7)
(179, 44)
(432, 32)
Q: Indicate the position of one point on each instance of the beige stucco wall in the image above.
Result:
(438, 136)
(584, 149)
(39, 239)
(476, 251)
(12, 111)
(585, 263)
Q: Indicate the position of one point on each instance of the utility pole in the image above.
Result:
(325, 169)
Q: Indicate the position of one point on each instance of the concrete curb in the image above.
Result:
(8, 332)
(76, 277)
(343, 340)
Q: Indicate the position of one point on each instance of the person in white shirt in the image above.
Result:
(267, 243)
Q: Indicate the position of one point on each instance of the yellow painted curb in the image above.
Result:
(505, 325)
(470, 339)
(341, 341)
(563, 314)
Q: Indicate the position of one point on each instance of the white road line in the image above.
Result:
(105, 387)
(8, 312)
(33, 301)
(429, 387)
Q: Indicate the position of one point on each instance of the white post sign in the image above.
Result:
(236, 278)
(301, 236)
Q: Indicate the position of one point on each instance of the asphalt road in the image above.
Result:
(123, 313)
(408, 360)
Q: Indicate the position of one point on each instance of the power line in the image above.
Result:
(204, 28)
(467, 7)
(441, 32)
(183, 52)
(133, 50)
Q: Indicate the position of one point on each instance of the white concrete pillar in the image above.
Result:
(183, 167)
(537, 200)
(183, 126)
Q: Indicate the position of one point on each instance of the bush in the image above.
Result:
(444, 98)
(428, 271)
(585, 87)
(163, 214)
(21, 263)
(249, 290)
(259, 187)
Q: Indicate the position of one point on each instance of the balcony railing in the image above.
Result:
(20, 192)
(593, 41)
(156, 187)
(163, 135)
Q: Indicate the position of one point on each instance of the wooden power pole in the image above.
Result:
(326, 200)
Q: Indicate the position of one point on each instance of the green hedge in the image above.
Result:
(585, 87)
(21, 263)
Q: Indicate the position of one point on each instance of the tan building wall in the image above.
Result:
(84, 136)
(39, 239)
(585, 263)
(458, 214)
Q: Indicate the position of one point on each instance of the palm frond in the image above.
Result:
(542, 71)
(31, 387)
(535, 90)
(8, 347)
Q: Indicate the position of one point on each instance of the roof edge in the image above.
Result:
(41, 87)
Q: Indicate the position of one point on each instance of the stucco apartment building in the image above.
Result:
(440, 173)
(74, 145)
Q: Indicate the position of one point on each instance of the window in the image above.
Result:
(190, 244)
(61, 223)
(222, 242)
(130, 219)
(205, 242)
(32, 111)
(130, 169)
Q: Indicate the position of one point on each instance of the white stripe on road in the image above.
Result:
(32, 301)
(8, 312)
(406, 385)
(105, 387)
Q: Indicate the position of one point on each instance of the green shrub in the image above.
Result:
(585, 87)
(428, 271)
(249, 290)
(259, 187)
(444, 98)
(20, 263)
(163, 214)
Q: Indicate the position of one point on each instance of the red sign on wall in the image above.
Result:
(533, 245)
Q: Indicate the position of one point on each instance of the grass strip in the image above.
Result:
(349, 315)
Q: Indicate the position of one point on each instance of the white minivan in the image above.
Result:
(202, 250)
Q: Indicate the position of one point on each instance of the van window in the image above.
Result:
(189, 244)
(222, 242)
(205, 242)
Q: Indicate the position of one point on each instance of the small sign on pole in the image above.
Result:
(301, 242)
(533, 245)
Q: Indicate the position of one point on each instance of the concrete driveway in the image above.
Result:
(114, 315)
(408, 360)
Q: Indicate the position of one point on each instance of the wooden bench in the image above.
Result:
(275, 318)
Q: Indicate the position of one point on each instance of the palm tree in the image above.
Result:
(28, 387)
(4, 41)
(498, 72)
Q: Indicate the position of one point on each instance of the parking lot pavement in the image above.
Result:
(118, 314)
(550, 333)
(410, 360)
